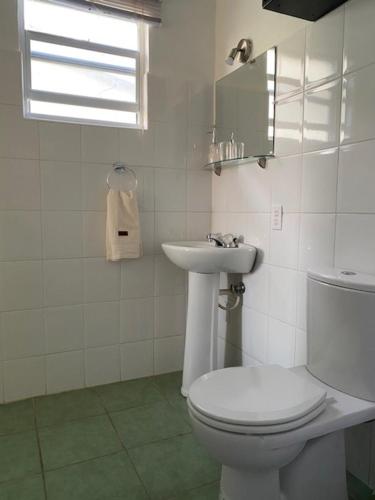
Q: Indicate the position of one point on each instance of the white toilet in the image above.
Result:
(278, 432)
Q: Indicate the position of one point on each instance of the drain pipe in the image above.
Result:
(235, 291)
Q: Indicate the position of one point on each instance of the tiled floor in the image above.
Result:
(125, 441)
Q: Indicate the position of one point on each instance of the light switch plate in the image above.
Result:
(277, 217)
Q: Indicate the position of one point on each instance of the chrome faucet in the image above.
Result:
(224, 241)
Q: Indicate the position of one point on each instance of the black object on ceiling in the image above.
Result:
(311, 10)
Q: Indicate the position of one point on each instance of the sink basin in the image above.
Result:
(206, 258)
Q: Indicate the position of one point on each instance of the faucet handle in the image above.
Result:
(232, 240)
(212, 236)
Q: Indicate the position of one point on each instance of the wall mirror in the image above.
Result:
(245, 111)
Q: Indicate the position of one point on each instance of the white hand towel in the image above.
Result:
(123, 238)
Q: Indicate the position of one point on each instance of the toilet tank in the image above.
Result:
(341, 330)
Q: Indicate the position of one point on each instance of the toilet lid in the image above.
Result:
(262, 395)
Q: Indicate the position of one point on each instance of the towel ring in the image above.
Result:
(122, 178)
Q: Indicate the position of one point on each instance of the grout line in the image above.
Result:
(39, 450)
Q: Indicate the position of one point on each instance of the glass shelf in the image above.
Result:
(235, 162)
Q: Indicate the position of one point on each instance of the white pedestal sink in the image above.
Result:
(205, 262)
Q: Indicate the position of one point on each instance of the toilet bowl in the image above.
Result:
(278, 432)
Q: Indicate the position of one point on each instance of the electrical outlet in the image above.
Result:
(277, 217)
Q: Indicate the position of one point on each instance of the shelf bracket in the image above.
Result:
(262, 162)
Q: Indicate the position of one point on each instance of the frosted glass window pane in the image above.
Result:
(52, 49)
(79, 24)
(83, 113)
(82, 81)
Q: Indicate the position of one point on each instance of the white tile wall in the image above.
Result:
(323, 175)
(68, 318)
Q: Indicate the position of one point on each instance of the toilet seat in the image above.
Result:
(255, 400)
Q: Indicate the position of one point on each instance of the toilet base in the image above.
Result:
(318, 472)
(237, 484)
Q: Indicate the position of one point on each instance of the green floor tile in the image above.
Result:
(19, 456)
(147, 424)
(29, 488)
(357, 489)
(67, 406)
(16, 417)
(106, 478)
(209, 492)
(179, 403)
(123, 395)
(174, 466)
(169, 384)
(77, 441)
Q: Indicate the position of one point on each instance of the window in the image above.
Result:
(83, 64)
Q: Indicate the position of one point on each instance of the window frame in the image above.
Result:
(140, 73)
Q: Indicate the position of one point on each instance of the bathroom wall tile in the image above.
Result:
(359, 18)
(169, 226)
(168, 354)
(284, 243)
(286, 182)
(137, 147)
(18, 137)
(145, 188)
(24, 175)
(283, 294)
(170, 189)
(256, 231)
(24, 378)
(65, 371)
(324, 46)
(290, 64)
(200, 103)
(317, 241)
(64, 328)
(300, 355)
(355, 191)
(10, 83)
(23, 334)
(322, 117)
(60, 141)
(167, 93)
(199, 191)
(102, 324)
(137, 278)
(101, 280)
(288, 126)
(169, 279)
(257, 286)
(198, 225)
(94, 224)
(21, 285)
(147, 224)
(170, 316)
(20, 235)
(228, 355)
(199, 140)
(100, 144)
(358, 109)
(62, 235)
(136, 319)
(9, 25)
(102, 365)
(61, 185)
(137, 359)
(319, 181)
(94, 185)
(355, 242)
(302, 301)
(63, 282)
(254, 334)
(281, 343)
(171, 143)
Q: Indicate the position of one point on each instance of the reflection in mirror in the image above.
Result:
(245, 107)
